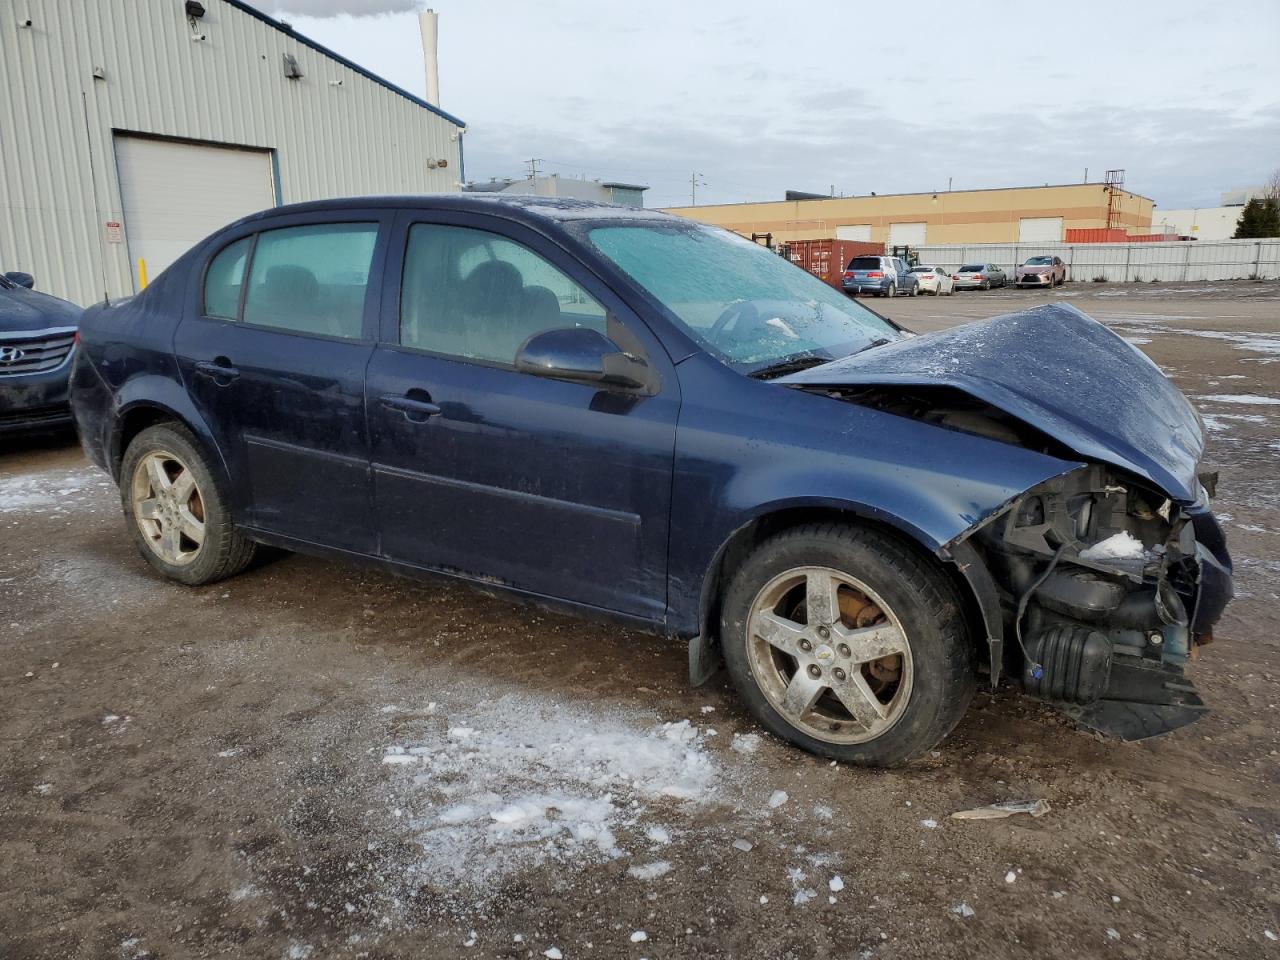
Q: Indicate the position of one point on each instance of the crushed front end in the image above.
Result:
(1107, 588)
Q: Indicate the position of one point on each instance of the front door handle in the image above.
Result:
(416, 405)
(219, 370)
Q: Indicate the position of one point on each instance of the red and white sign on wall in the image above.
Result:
(114, 233)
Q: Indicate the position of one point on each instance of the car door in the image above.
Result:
(273, 349)
(903, 275)
(556, 488)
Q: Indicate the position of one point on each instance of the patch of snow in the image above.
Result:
(929, 824)
(777, 798)
(649, 871)
(963, 909)
(746, 846)
(299, 951)
(1119, 546)
(50, 491)
(1010, 877)
(1252, 399)
(658, 834)
(835, 884)
(639, 936)
(553, 953)
(746, 742)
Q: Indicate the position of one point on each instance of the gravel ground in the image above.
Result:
(317, 761)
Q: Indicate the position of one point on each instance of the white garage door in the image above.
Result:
(176, 194)
(854, 231)
(1040, 230)
(906, 234)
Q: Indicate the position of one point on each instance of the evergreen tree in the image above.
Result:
(1261, 218)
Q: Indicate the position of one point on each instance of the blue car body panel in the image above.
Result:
(1060, 371)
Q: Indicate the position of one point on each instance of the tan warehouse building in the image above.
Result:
(1006, 215)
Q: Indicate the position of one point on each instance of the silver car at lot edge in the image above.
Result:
(980, 276)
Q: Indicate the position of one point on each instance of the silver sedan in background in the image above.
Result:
(980, 276)
(934, 280)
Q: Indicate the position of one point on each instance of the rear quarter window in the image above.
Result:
(224, 280)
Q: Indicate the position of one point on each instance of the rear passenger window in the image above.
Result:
(472, 294)
(224, 279)
(312, 279)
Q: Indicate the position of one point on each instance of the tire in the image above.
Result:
(986, 284)
(915, 290)
(220, 550)
(885, 581)
(891, 290)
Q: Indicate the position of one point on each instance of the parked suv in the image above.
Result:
(37, 339)
(883, 276)
(1041, 272)
(633, 415)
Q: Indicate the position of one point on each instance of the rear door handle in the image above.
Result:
(416, 409)
(218, 370)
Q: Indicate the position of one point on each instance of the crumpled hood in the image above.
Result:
(23, 309)
(1058, 370)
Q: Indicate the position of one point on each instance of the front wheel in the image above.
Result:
(846, 642)
(176, 511)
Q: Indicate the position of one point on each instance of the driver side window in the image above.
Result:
(474, 295)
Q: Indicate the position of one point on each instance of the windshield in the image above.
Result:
(1038, 261)
(745, 305)
(922, 269)
(971, 268)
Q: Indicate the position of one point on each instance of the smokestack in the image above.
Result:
(428, 21)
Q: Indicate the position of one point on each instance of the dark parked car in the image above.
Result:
(37, 339)
(632, 414)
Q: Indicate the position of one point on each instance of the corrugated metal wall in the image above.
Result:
(58, 183)
(1225, 260)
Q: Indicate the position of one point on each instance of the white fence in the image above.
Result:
(1169, 261)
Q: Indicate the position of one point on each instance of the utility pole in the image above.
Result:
(695, 181)
(533, 167)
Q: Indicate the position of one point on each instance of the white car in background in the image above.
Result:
(934, 280)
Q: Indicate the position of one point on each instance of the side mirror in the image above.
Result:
(20, 278)
(582, 355)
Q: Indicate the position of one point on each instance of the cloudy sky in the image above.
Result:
(760, 97)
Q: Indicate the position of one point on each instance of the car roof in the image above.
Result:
(533, 210)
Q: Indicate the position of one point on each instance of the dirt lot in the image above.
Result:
(315, 761)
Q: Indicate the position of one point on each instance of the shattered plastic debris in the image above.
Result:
(744, 845)
(777, 798)
(998, 811)
(963, 909)
(639, 936)
(553, 953)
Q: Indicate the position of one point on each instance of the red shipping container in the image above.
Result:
(827, 259)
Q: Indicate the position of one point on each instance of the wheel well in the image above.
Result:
(762, 528)
(133, 423)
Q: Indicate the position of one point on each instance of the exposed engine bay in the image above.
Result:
(1096, 587)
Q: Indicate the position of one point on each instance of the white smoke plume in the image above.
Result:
(335, 8)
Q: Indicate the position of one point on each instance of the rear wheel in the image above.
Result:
(891, 290)
(176, 511)
(986, 284)
(845, 642)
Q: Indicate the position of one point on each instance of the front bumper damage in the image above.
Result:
(1097, 590)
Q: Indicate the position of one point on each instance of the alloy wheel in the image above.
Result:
(168, 507)
(829, 655)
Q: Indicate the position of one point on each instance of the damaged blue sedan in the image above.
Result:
(633, 415)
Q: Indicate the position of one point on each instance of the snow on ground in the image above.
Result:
(1252, 399)
(522, 780)
(51, 491)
